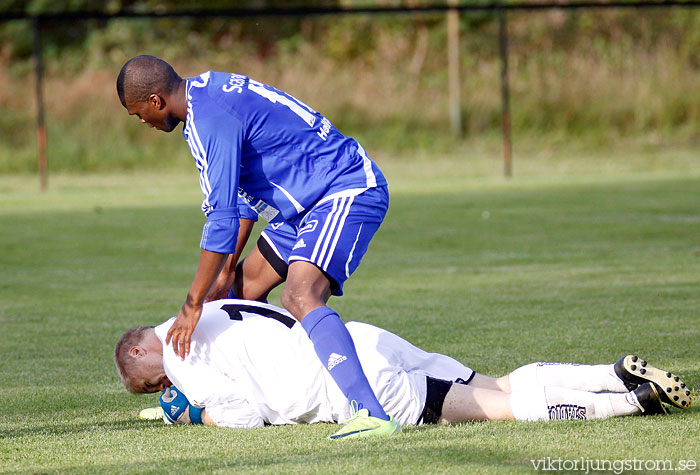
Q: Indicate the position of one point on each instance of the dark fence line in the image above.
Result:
(322, 11)
(451, 7)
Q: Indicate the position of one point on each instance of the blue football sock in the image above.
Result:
(335, 348)
(231, 295)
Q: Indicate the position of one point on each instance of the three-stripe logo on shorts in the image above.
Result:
(330, 234)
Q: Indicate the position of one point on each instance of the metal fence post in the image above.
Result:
(505, 93)
(453, 68)
(40, 123)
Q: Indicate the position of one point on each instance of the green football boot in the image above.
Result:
(151, 413)
(363, 425)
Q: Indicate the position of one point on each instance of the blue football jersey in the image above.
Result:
(259, 148)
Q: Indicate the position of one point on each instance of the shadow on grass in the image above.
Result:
(71, 429)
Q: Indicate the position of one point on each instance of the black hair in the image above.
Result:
(144, 75)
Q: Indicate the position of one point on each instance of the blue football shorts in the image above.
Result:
(333, 235)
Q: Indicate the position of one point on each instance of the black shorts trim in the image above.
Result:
(436, 391)
(272, 258)
(282, 268)
(469, 380)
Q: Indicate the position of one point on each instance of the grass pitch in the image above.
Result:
(496, 274)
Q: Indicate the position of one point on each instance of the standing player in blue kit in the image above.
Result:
(261, 150)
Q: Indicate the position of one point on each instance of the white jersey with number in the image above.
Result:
(252, 364)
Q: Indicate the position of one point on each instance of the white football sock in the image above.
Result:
(564, 403)
(552, 403)
(594, 378)
(529, 404)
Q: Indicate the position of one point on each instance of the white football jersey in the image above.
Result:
(252, 364)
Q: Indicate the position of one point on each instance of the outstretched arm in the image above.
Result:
(210, 264)
(215, 138)
(224, 281)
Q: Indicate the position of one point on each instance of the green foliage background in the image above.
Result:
(620, 79)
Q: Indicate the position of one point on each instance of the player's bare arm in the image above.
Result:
(224, 281)
(206, 419)
(210, 264)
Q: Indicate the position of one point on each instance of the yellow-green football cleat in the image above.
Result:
(151, 413)
(363, 425)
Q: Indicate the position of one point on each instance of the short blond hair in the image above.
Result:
(123, 361)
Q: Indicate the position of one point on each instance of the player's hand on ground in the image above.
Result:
(181, 331)
(177, 408)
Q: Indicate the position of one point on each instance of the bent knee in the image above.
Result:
(297, 300)
(487, 382)
(300, 300)
(289, 298)
(503, 383)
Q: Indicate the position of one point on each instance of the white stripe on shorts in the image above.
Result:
(330, 234)
(339, 230)
(323, 231)
(328, 231)
(272, 245)
(352, 251)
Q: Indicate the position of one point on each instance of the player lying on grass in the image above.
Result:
(252, 364)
